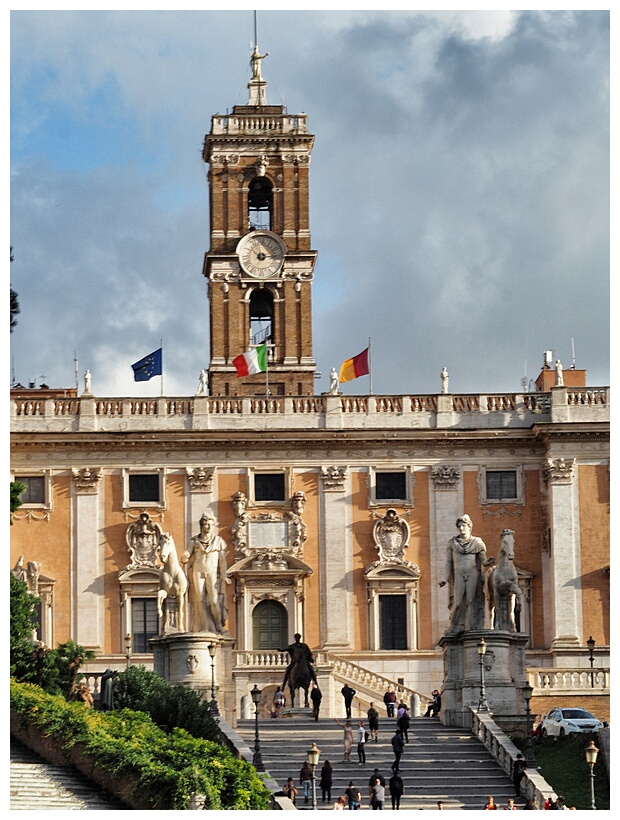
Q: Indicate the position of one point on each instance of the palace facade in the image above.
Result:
(336, 510)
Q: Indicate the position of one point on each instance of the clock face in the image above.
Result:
(260, 255)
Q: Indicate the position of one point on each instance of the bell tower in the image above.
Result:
(260, 264)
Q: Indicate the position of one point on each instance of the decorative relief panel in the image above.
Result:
(269, 534)
(86, 481)
(142, 538)
(391, 536)
(334, 478)
(200, 479)
(446, 477)
(559, 470)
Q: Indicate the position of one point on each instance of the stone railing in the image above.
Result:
(533, 786)
(442, 411)
(370, 684)
(569, 681)
(270, 659)
(260, 123)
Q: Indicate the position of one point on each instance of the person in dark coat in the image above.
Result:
(403, 724)
(326, 782)
(348, 695)
(316, 696)
(390, 701)
(398, 744)
(434, 707)
(397, 789)
(518, 773)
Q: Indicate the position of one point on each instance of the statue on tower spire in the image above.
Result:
(257, 85)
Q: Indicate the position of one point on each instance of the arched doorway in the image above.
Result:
(269, 625)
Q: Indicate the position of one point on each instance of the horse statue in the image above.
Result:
(505, 597)
(172, 585)
(298, 676)
(300, 672)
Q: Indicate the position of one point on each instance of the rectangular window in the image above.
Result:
(144, 487)
(391, 486)
(393, 615)
(35, 489)
(269, 487)
(501, 484)
(144, 623)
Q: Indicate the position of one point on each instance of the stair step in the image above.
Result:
(36, 784)
(439, 762)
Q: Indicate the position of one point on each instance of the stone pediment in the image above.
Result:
(383, 570)
(270, 562)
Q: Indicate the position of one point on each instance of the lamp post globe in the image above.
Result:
(313, 754)
(591, 755)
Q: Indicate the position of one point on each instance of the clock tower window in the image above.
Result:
(260, 201)
(261, 316)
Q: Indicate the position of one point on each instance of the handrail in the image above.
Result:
(373, 682)
(568, 680)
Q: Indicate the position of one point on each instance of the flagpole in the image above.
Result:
(370, 365)
(161, 344)
(266, 369)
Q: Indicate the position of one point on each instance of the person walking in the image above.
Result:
(376, 774)
(361, 743)
(397, 789)
(518, 773)
(347, 739)
(354, 797)
(398, 745)
(373, 723)
(290, 790)
(305, 780)
(316, 696)
(326, 782)
(434, 707)
(348, 693)
(390, 701)
(403, 724)
(278, 702)
(402, 708)
(377, 801)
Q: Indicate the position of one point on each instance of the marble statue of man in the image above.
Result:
(559, 374)
(334, 382)
(466, 555)
(444, 380)
(206, 572)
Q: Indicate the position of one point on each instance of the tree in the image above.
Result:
(17, 489)
(22, 625)
(14, 303)
(69, 657)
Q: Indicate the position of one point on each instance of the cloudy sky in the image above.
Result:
(459, 189)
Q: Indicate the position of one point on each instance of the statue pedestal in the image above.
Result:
(183, 658)
(504, 677)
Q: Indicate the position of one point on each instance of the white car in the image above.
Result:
(560, 722)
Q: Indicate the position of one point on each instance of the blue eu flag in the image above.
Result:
(147, 367)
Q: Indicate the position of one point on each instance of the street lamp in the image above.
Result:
(257, 760)
(591, 755)
(590, 643)
(530, 759)
(313, 755)
(483, 706)
(213, 705)
(128, 648)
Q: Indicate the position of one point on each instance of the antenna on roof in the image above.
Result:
(524, 379)
(572, 341)
(77, 378)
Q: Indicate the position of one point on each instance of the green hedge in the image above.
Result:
(164, 769)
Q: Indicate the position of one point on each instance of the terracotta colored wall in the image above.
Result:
(50, 543)
(364, 553)
(528, 529)
(594, 520)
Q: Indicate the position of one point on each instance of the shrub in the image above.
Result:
(164, 769)
(169, 706)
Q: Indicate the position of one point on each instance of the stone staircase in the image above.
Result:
(439, 763)
(38, 785)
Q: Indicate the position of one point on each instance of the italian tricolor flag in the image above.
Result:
(254, 361)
